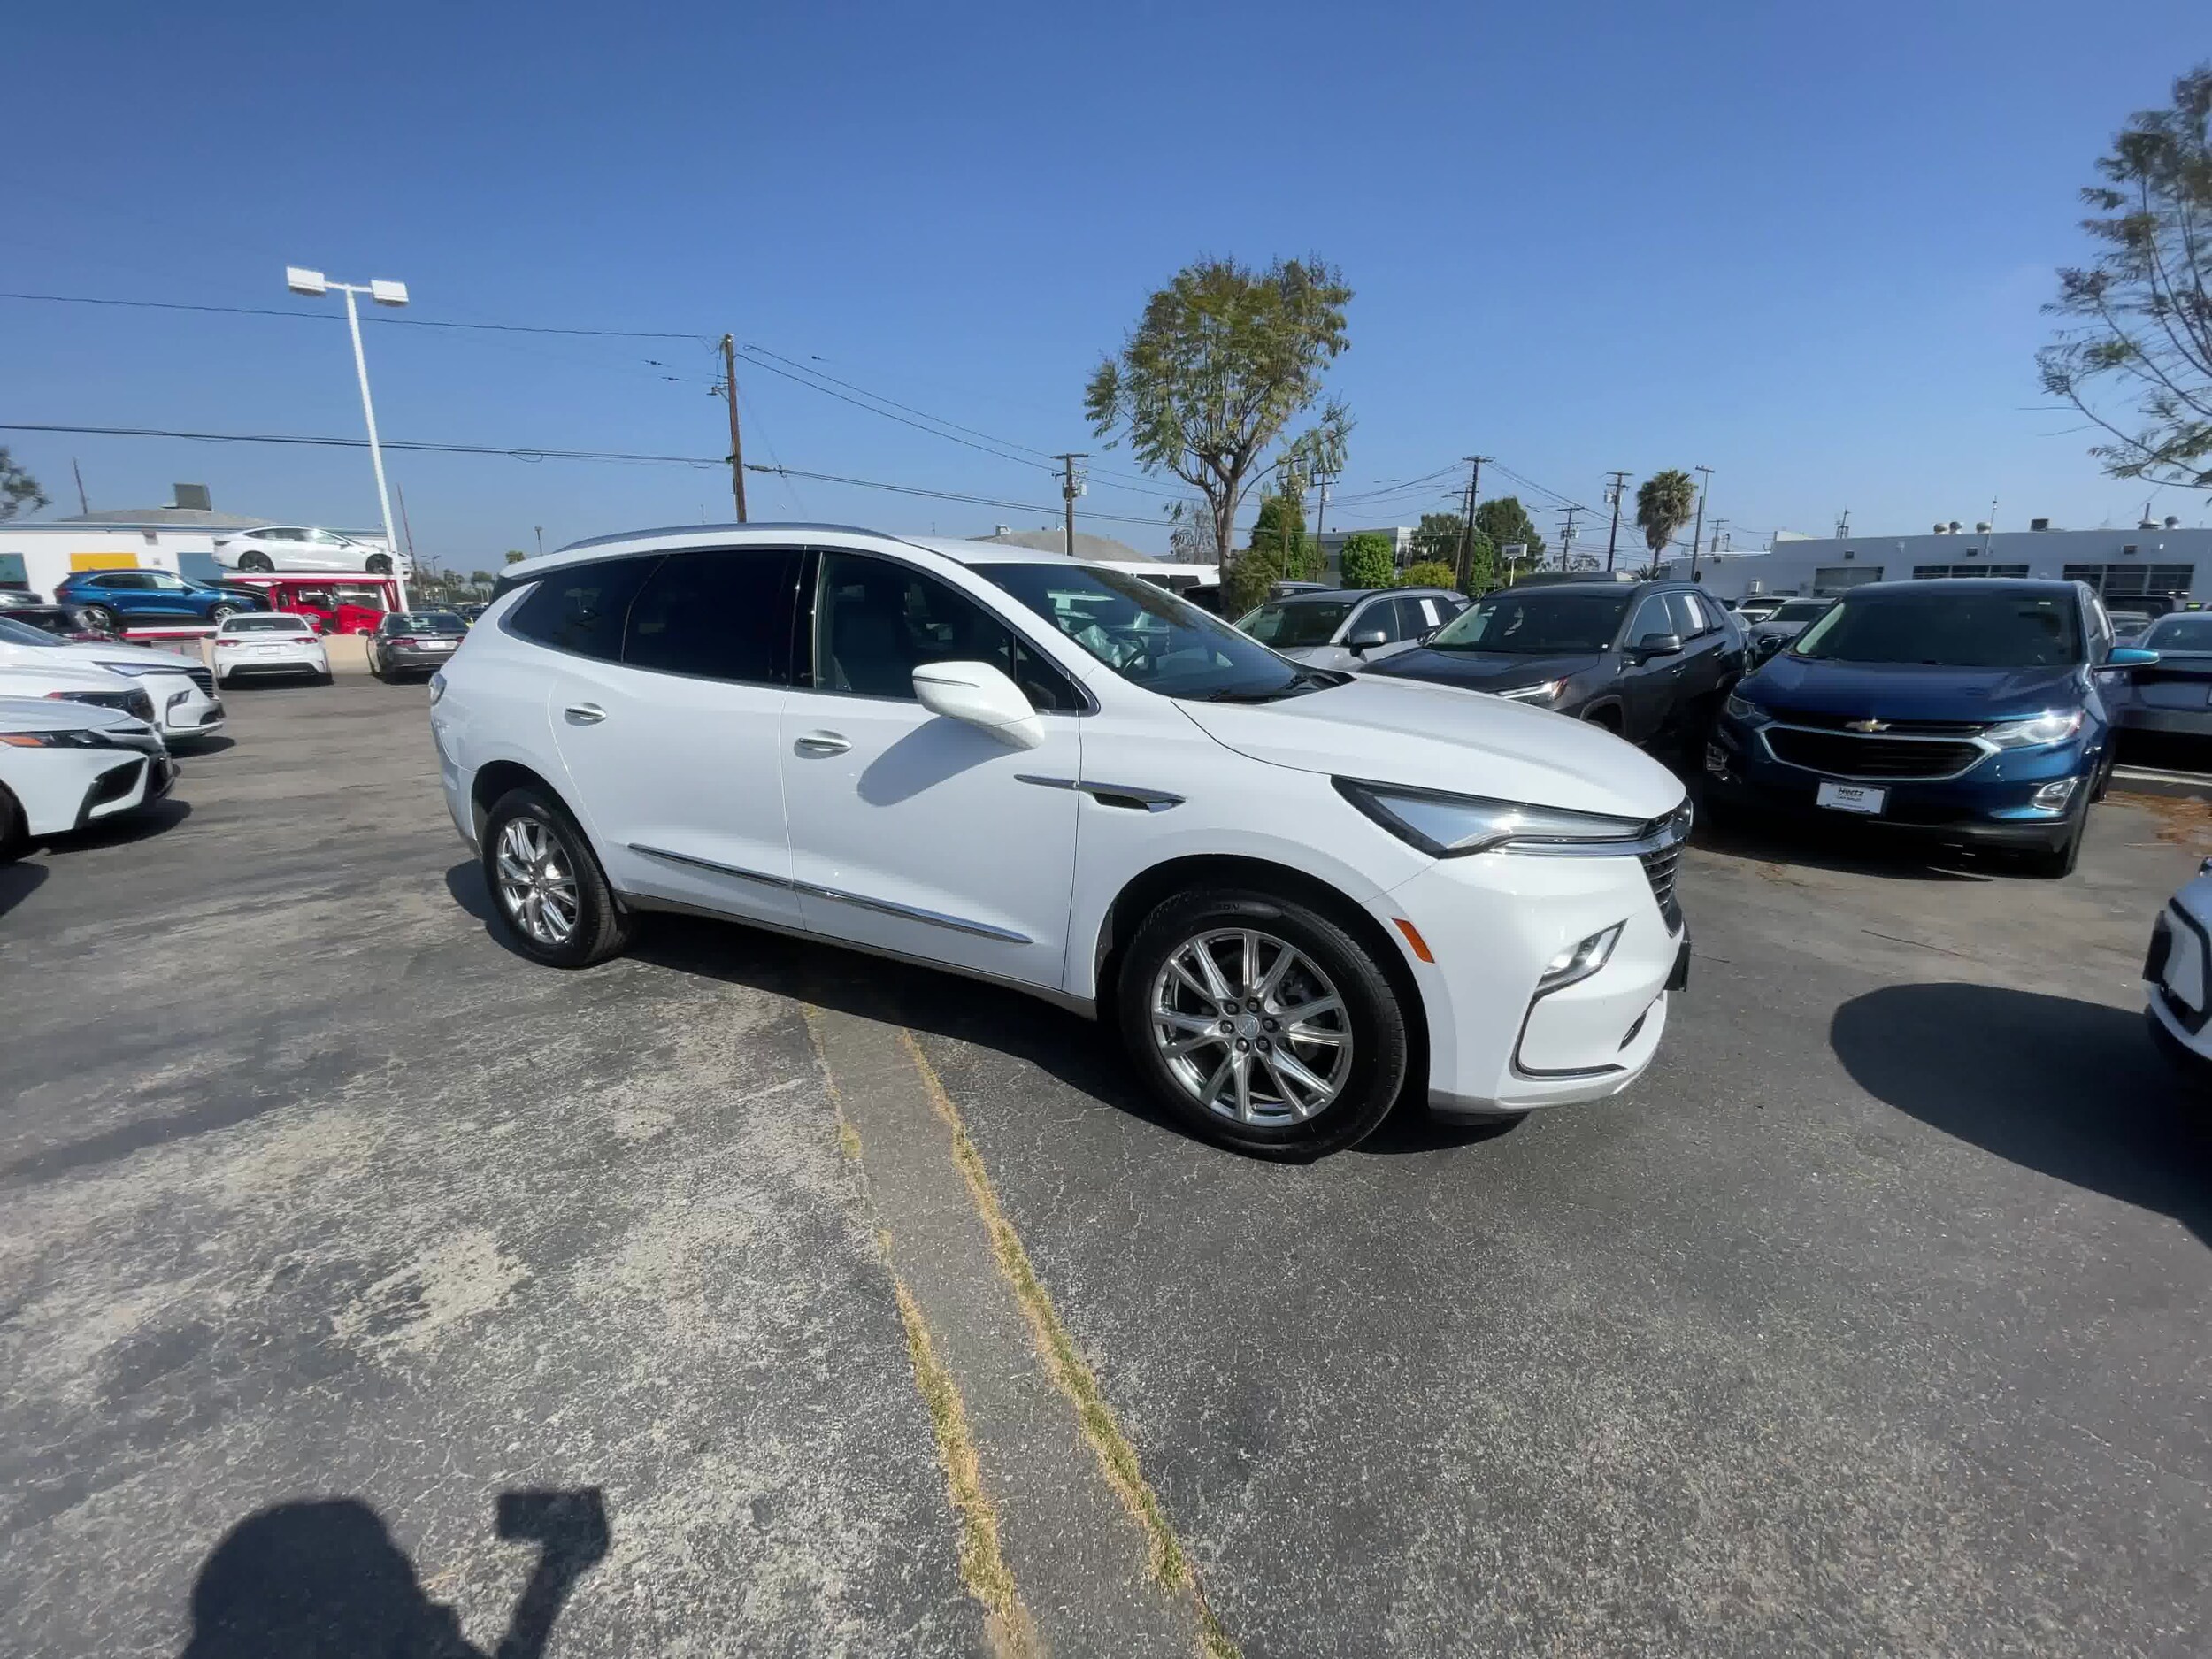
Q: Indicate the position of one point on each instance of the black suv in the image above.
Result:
(1644, 659)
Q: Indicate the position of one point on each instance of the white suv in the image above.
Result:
(1298, 893)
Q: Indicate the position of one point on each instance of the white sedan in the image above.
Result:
(261, 645)
(185, 705)
(2178, 969)
(273, 547)
(65, 765)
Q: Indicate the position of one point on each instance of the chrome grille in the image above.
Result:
(201, 677)
(1847, 755)
(1659, 869)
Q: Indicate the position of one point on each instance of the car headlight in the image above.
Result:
(53, 739)
(1543, 691)
(135, 670)
(1455, 825)
(2052, 725)
(1742, 708)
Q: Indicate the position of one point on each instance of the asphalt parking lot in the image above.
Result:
(362, 1278)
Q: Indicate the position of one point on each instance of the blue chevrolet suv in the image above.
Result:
(1967, 712)
(150, 599)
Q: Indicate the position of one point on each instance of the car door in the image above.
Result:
(913, 832)
(1703, 643)
(1648, 687)
(669, 674)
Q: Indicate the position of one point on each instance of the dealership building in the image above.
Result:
(2151, 559)
(180, 538)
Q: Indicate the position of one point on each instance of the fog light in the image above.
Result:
(1579, 961)
(2052, 797)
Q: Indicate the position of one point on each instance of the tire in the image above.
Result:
(378, 564)
(323, 678)
(2104, 775)
(1606, 719)
(598, 927)
(1327, 961)
(2057, 863)
(222, 682)
(100, 617)
(376, 671)
(256, 561)
(14, 837)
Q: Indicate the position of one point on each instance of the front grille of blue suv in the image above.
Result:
(1962, 713)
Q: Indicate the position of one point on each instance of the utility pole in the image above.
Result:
(83, 505)
(1613, 536)
(737, 442)
(541, 530)
(1567, 538)
(405, 529)
(1467, 522)
(1698, 535)
(1713, 552)
(1070, 487)
(1843, 525)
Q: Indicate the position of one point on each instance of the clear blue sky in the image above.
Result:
(1803, 246)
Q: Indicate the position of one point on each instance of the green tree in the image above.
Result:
(2142, 314)
(1428, 573)
(1438, 538)
(1664, 503)
(1368, 560)
(1280, 532)
(1505, 521)
(515, 556)
(1482, 566)
(1246, 580)
(18, 490)
(480, 579)
(1223, 361)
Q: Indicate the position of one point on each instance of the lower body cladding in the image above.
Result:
(2028, 800)
(1548, 978)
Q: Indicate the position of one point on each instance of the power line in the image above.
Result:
(933, 495)
(521, 452)
(319, 317)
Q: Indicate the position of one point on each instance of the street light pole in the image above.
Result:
(313, 282)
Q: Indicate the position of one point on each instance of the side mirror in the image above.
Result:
(2130, 656)
(980, 695)
(1656, 645)
(1367, 639)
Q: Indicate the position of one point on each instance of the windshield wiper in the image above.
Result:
(1305, 680)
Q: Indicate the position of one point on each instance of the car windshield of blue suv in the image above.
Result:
(1950, 630)
(1534, 624)
(1152, 638)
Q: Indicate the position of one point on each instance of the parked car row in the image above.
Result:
(69, 759)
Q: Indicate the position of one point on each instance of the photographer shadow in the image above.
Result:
(325, 1577)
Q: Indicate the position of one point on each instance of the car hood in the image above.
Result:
(1908, 691)
(1438, 737)
(1489, 671)
(141, 657)
(41, 714)
(20, 678)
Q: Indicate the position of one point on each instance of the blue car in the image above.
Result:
(1960, 712)
(150, 599)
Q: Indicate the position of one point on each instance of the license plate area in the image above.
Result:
(1851, 797)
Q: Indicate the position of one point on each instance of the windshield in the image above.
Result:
(1286, 624)
(1948, 630)
(1534, 624)
(265, 625)
(424, 622)
(1151, 638)
(2177, 633)
(23, 634)
(1799, 611)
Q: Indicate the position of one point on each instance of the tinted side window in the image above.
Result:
(875, 622)
(722, 613)
(1651, 617)
(580, 607)
(1687, 621)
(1407, 623)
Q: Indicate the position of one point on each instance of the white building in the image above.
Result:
(2150, 560)
(179, 538)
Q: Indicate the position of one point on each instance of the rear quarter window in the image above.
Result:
(582, 608)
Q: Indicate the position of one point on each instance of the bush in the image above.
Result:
(1428, 573)
(1368, 560)
(1244, 584)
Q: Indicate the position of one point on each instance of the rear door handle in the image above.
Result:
(823, 743)
(583, 714)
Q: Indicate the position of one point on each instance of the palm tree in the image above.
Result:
(1663, 505)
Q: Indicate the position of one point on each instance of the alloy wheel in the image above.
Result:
(1251, 1027)
(537, 883)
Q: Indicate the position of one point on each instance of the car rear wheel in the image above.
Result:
(256, 561)
(100, 617)
(221, 614)
(551, 895)
(378, 564)
(1262, 1024)
(2059, 861)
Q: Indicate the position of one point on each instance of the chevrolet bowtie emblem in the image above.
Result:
(1866, 725)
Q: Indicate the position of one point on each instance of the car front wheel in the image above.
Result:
(1262, 1024)
(378, 564)
(256, 561)
(100, 617)
(551, 895)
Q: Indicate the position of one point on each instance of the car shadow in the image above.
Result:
(1817, 846)
(144, 824)
(2073, 1090)
(17, 882)
(324, 1576)
(194, 747)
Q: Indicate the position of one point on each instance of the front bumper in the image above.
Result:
(1990, 803)
(239, 664)
(182, 709)
(1498, 1041)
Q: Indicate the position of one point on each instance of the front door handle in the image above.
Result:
(583, 714)
(823, 743)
